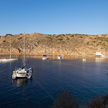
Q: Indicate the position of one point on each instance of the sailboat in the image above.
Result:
(5, 60)
(45, 57)
(23, 72)
(61, 55)
(83, 56)
(84, 59)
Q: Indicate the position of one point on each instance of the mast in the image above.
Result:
(53, 47)
(24, 52)
(10, 48)
(45, 51)
(60, 49)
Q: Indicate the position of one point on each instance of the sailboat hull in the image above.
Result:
(22, 73)
(60, 56)
(6, 60)
(45, 58)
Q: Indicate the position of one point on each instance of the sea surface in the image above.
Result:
(83, 80)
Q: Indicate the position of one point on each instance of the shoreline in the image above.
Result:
(51, 57)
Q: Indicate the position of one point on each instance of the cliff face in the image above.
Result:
(67, 44)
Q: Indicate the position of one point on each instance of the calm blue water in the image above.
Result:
(84, 81)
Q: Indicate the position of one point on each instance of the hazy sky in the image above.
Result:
(54, 16)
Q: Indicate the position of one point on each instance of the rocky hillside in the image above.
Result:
(67, 44)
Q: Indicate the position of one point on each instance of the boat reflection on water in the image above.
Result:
(99, 59)
(20, 82)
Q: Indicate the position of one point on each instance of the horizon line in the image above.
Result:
(50, 33)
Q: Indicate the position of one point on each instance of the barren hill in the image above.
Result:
(67, 44)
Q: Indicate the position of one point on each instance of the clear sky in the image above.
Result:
(54, 16)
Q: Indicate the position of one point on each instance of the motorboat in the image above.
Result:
(45, 57)
(99, 54)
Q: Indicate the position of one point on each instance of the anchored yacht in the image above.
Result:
(60, 56)
(5, 60)
(84, 59)
(10, 59)
(22, 72)
(45, 56)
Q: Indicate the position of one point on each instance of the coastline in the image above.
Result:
(75, 45)
(54, 57)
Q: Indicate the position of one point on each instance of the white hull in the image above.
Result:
(84, 59)
(7, 60)
(44, 58)
(22, 73)
(59, 57)
(99, 54)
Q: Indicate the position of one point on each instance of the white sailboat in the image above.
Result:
(23, 72)
(61, 55)
(10, 59)
(83, 55)
(84, 58)
(45, 56)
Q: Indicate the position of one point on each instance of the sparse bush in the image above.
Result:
(4, 41)
(60, 39)
(68, 38)
(71, 35)
(19, 38)
(8, 35)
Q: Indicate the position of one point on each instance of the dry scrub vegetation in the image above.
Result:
(67, 44)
